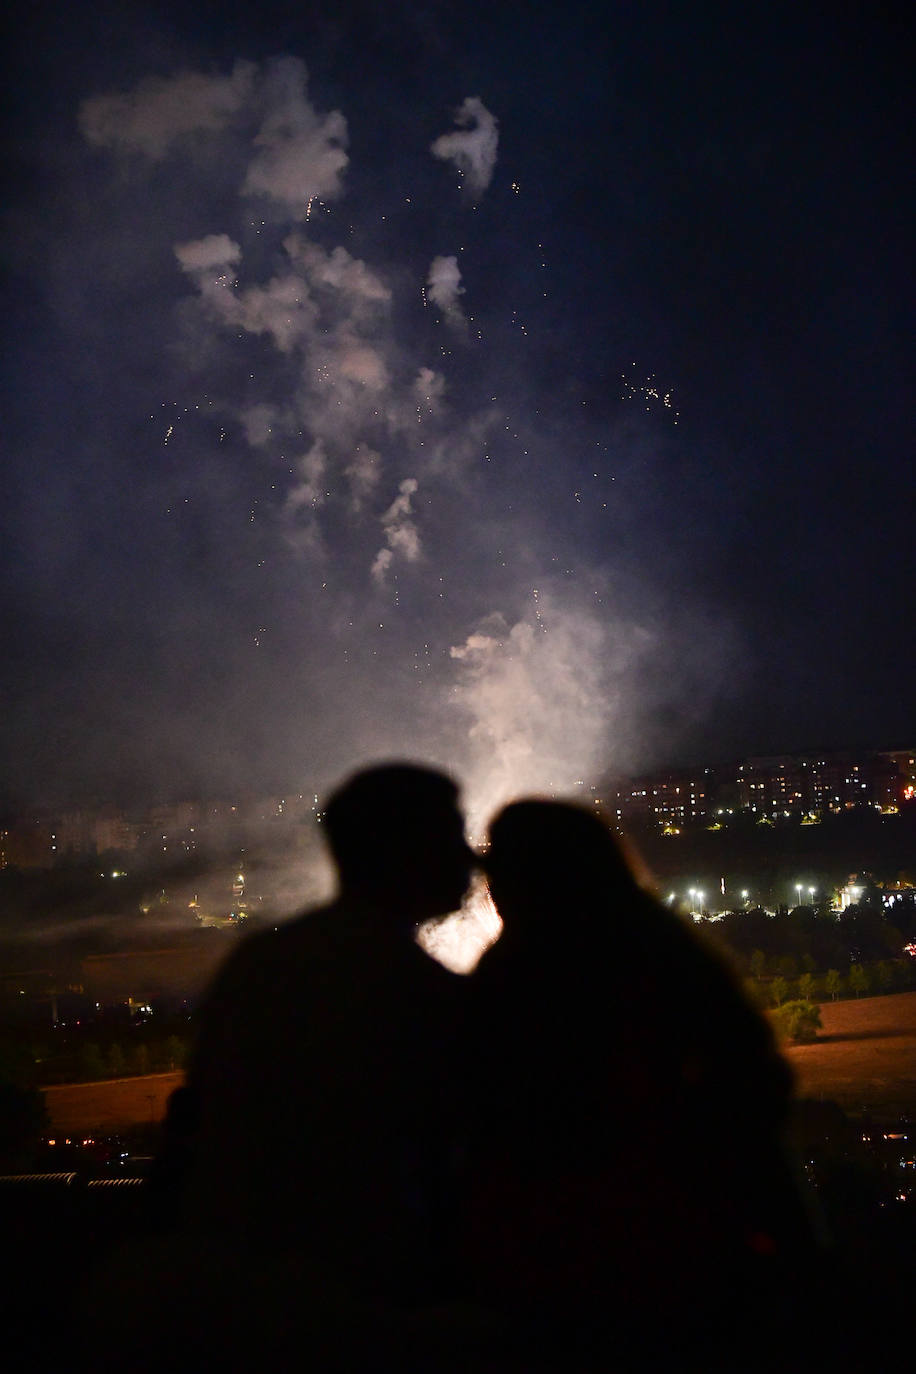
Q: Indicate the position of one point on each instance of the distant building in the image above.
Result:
(770, 785)
(667, 798)
(113, 831)
(821, 783)
(26, 844)
(811, 784)
(74, 834)
(777, 783)
(905, 762)
(176, 817)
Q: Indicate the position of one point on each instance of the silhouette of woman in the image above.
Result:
(627, 1172)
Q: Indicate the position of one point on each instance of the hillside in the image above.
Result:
(864, 1057)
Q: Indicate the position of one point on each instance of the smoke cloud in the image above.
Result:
(473, 151)
(289, 420)
(335, 516)
(400, 531)
(164, 110)
(443, 288)
(212, 254)
(540, 697)
(300, 155)
(295, 154)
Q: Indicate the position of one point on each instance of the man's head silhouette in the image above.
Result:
(397, 837)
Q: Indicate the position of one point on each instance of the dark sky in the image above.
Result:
(517, 387)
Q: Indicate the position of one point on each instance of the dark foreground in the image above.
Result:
(99, 1285)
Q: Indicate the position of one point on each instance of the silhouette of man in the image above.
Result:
(319, 1110)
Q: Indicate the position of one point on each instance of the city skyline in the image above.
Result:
(888, 771)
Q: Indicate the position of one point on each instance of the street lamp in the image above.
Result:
(798, 889)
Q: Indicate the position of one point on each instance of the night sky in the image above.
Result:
(514, 387)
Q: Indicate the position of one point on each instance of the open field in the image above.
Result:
(105, 1108)
(864, 1058)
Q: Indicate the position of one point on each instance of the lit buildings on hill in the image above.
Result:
(812, 784)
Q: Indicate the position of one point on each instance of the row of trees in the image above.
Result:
(87, 1057)
(859, 980)
(811, 939)
(793, 1003)
(119, 1059)
(798, 958)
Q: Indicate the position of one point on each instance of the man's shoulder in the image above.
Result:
(325, 941)
(271, 952)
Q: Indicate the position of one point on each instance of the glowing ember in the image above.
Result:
(459, 940)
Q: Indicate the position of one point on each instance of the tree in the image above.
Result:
(859, 980)
(175, 1052)
(115, 1060)
(758, 963)
(806, 987)
(904, 969)
(885, 975)
(91, 1064)
(834, 983)
(798, 1021)
(779, 991)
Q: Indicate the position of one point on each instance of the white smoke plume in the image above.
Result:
(340, 384)
(213, 254)
(301, 155)
(539, 698)
(429, 389)
(363, 473)
(400, 530)
(310, 490)
(473, 151)
(296, 155)
(282, 309)
(369, 462)
(339, 272)
(303, 501)
(443, 288)
(163, 110)
(360, 362)
(258, 422)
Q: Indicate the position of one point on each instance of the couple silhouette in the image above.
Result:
(575, 1150)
